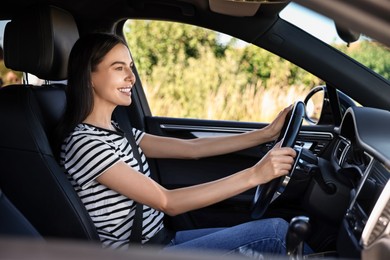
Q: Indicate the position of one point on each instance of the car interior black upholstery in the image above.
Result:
(38, 187)
(40, 48)
(13, 221)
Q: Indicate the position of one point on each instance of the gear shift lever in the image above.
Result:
(298, 231)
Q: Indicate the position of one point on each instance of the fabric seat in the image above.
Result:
(39, 41)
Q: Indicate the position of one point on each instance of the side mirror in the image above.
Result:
(318, 110)
(318, 105)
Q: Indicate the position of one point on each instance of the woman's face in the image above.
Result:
(113, 78)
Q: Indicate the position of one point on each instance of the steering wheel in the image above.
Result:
(268, 192)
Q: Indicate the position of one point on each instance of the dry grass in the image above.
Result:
(254, 104)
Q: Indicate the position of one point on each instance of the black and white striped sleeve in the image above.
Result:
(87, 158)
(138, 135)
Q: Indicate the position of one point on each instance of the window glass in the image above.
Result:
(193, 72)
(365, 50)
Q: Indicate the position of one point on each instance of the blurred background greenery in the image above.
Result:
(192, 72)
(188, 71)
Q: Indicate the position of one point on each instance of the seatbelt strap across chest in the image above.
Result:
(124, 124)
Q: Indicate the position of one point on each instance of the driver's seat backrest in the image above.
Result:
(39, 41)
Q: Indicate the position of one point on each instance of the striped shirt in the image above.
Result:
(86, 154)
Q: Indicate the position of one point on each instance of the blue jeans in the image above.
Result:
(253, 239)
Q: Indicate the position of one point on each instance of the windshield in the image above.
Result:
(365, 50)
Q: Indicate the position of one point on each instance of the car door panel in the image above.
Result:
(174, 173)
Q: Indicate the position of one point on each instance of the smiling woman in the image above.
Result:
(201, 169)
(116, 187)
(112, 73)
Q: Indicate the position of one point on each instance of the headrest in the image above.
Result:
(39, 40)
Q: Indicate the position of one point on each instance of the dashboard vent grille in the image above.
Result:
(380, 174)
(341, 150)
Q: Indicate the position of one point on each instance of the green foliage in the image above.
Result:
(165, 43)
(8, 76)
(372, 54)
(187, 72)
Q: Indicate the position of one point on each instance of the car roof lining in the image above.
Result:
(184, 11)
(242, 7)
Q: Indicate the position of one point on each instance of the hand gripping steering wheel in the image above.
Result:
(268, 192)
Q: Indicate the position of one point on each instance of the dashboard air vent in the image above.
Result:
(341, 150)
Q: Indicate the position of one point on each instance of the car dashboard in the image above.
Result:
(361, 158)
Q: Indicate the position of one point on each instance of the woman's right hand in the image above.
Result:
(276, 163)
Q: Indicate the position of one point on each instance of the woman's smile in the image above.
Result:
(126, 91)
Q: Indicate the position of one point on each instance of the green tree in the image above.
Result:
(168, 43)
(370, 53)
(187, 72)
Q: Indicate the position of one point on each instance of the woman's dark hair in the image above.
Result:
(88, 51)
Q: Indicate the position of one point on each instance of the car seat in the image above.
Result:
(38, 41)
(12, 222)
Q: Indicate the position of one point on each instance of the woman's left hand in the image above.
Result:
(275, 127)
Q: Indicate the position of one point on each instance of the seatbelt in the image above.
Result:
(124, 124)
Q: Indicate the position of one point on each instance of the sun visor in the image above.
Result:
(240, 7)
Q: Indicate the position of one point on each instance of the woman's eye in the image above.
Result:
(119, 68)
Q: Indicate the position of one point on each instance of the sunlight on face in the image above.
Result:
(113, 78)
